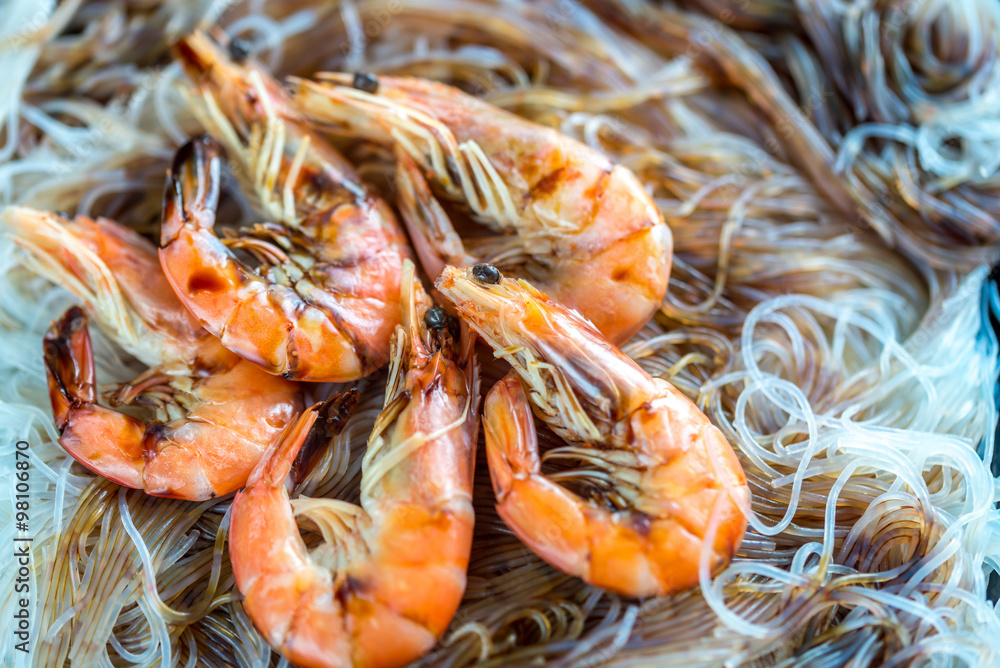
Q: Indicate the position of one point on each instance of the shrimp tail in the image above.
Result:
(170, 459)
(69, 365)
(191, 194)
(509, 421)
(259, 563)
(88, 431)
(196, 263)
(526, 498)
(291, 456)
(331, 418)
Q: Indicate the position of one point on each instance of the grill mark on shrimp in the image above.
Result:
(549, 183)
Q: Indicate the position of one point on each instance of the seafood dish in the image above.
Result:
(445, 333)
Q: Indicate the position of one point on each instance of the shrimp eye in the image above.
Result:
(239, 49)
(366, 82)
(435, 319)
(486, 273)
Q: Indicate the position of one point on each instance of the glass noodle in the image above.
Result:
(831, 194)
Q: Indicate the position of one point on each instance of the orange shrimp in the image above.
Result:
(324, 300)
(214, 413)
(581, 228)
(385, 584)
(666, 484)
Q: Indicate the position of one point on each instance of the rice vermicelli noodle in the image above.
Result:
(833, 192)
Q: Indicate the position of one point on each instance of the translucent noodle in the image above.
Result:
(829, 173)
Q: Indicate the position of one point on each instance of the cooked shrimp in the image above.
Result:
(581, 228)
(324, 300)
(667, 486)
(214, 414)
(385, 584)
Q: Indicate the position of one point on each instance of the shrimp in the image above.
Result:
(324, 300)
(581, 228)
(214, 413)
(390, 576)
(667, 487)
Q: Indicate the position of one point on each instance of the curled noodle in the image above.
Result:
(825, 311)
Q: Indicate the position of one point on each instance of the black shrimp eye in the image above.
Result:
(239, 49)
(435, 319)
(486, 273)
(366, 82)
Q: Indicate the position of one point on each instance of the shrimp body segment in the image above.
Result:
(323, 300)
(386, 582)
(578, 226)
(214, 413)
(664, 483)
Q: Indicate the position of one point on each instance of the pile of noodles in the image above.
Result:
(830, 174)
